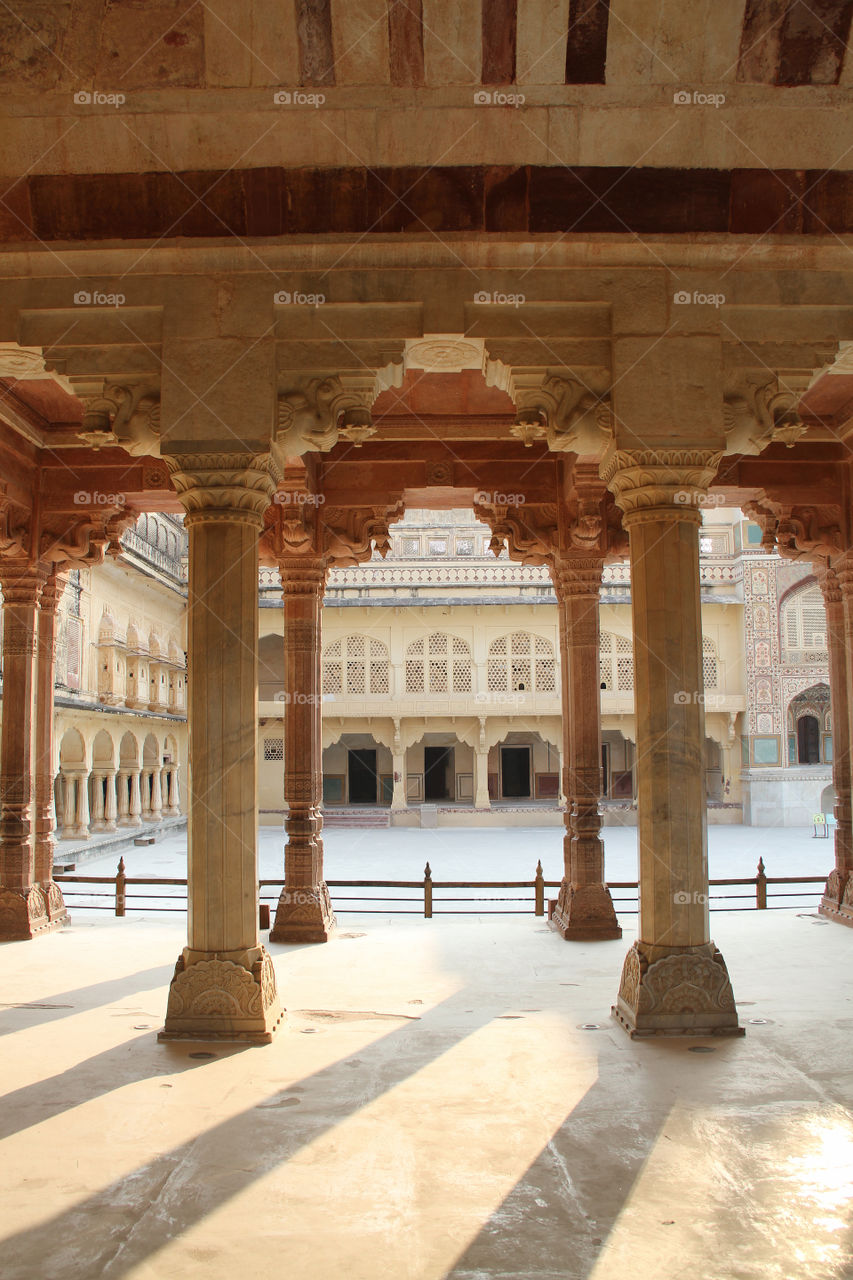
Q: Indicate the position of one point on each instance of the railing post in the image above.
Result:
(761, 887)
(120, 888)
(539, 888)
(427, 893)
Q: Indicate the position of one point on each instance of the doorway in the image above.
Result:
(808, 740)
(515, 773)
(438, 770)
(362, 778)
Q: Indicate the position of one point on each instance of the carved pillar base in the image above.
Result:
(223, 996)
(24, 914)
(837, 901)
(585, 913)
(304, 915)
(56, 908)
(676, 991)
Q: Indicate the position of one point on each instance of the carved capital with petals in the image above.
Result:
(224, 486)
(660, 483)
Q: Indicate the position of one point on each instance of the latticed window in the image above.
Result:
(273, 749)
(710, 674)
(520, 663)
(616, 663)
(356, 665)
(438, 664)
(804, 620)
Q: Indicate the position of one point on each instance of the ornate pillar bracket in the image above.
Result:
(224, 986)
(314, 413)
(674, 980)
(755, 416)
(553, 406)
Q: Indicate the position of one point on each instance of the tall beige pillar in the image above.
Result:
(674, 980)
(304, 912)
(51, 594)
(224, 986)
(23, 906)
(837, 587)
(584, 908)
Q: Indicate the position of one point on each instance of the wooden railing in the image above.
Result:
(123, 891)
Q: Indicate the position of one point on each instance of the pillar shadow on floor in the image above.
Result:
(79, 998)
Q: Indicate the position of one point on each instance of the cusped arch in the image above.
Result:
(520, 662)
(129, 751)
(356, 664)
(802, 618)
(72, 750)
(103, 750)
(150, 752)
(439, 663)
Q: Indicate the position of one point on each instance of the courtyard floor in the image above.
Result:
(446, 1098)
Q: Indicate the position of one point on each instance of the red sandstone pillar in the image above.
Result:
(837, 587)
(584, 909)
(23, 907)
(51, 594)
(304, 912)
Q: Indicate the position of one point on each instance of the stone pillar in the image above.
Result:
(304, 912)
(69, 805)
(135, 809)
(51, 594)
(224, 986)
(398, 764)
(81, 815)
(481, 769)
(584, 908)
(23, 906)
(837, 587)
(174, 791)
(98, 805)
(110, 800)
(156, 796)
(123, 798)
(674, 980)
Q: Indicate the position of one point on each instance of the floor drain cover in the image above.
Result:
(143, 1026)
(202, 1055)
(760, 1022)
(589, 1026)
(701, 1048)
(310, 1031)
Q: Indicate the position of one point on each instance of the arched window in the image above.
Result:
(710, 674)
(803, 620)
(616, 663)
(356, 664)
(521, 662)
(438, 663)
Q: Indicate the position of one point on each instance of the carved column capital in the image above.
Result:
(576, 575)
(660, 483)
(224, 486)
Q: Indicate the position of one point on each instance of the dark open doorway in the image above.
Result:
(362, 776)
(808, 740)
(438, 770)
(515, 772)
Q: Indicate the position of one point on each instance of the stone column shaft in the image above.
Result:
(674, 980)
(135, 803)
(304, 912)
(110, 801)
(23, 906)
(51, 594)
(81, 816)
(98, 800)
(584, 908)
(224, 985)
(837, 587)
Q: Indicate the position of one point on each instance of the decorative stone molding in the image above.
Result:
(530, 534)
(224, 486)
(217, 999)
(683, 993)
(762, 415)
(799, 532)
(27, 364)
(665, 483)
(24, 914)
